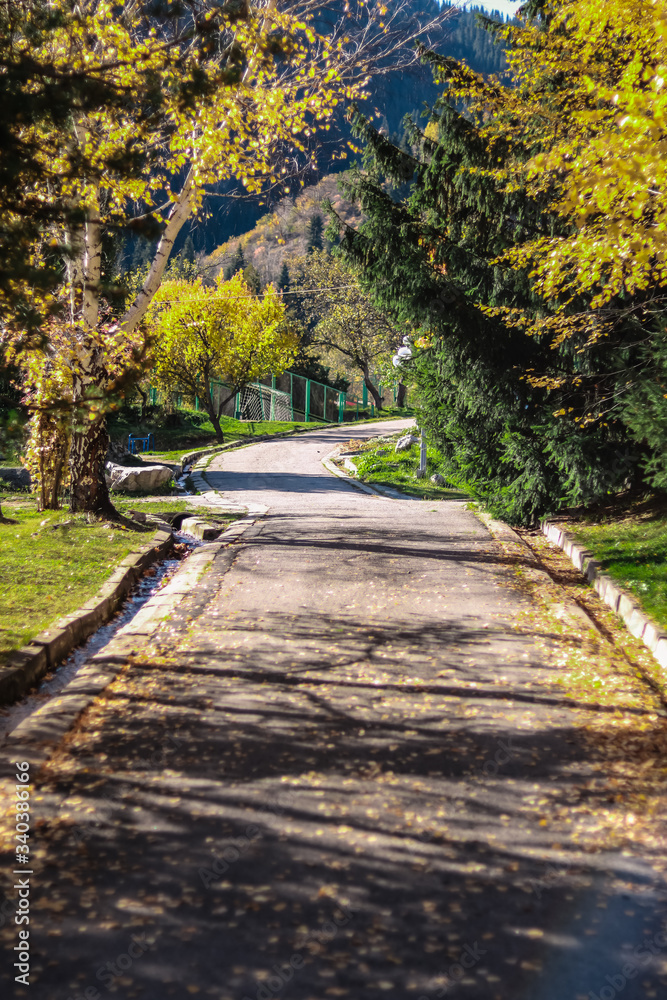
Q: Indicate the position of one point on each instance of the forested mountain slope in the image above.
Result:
(392, 97)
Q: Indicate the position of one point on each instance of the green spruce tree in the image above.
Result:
(315, 234)
(284, 279)
(509, 412)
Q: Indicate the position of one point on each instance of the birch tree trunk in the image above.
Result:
(88, 449)
(180, 213)
(89, 491)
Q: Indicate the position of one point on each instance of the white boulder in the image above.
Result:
(136, 479)
(438, 479)
(406, 442)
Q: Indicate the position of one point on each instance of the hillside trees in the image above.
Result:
(225, 333)
(224, 90)
(530, 344)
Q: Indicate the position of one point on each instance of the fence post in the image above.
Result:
(324, 405)
(291, 396)
(342, 396)
(364, 396)
(307, 404)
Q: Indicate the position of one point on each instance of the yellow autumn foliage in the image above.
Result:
(603, 150)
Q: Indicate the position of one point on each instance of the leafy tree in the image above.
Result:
(343, 318)
(223, 333)
(219, 94)
(42, 92)
(526, 423)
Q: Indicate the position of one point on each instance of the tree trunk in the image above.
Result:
(401, 394)
(377, 399)
(178, 216)
(144, 402)
(89, 491)
(89, 443)
(88, 451)
(215, 420)
(212, 411)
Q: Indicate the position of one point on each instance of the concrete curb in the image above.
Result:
(54, 644)
(637, 622)
(36, 737)
(330, 467)
(380, 491)
(194, 456)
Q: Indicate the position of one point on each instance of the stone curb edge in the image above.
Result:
(381, 491)
(53, 645)
(37, 736)
(637, 621)
(330, 467)
(567, 608)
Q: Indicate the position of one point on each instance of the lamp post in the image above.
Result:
(404, 354)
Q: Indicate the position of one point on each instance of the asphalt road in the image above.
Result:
(345, 768)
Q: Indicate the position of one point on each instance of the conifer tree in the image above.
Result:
(521, 419)
(252, 279)
(315, 234)
(284, 278)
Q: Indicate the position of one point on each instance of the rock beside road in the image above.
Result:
(406, 442)
(137, 479)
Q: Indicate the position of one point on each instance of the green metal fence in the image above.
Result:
(282, 397)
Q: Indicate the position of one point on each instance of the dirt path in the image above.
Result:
(347, 768)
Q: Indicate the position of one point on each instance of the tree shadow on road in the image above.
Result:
(322, 806)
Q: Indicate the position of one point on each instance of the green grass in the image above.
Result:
(397, 470)
(187, 430)
(54, 572)
(387, 413)
(632, 548)
(49, 573)
(126, 504)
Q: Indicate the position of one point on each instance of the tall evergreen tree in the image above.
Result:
(284, 278)
(518, 418)
(238, 263)
(315, 234)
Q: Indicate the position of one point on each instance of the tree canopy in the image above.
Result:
(214, 91)
(345, 327)
(225, 333)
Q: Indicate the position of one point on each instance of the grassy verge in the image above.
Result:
(378, 463)
(185, 430)
(54, 561)
(387, 413)
(630, 542)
